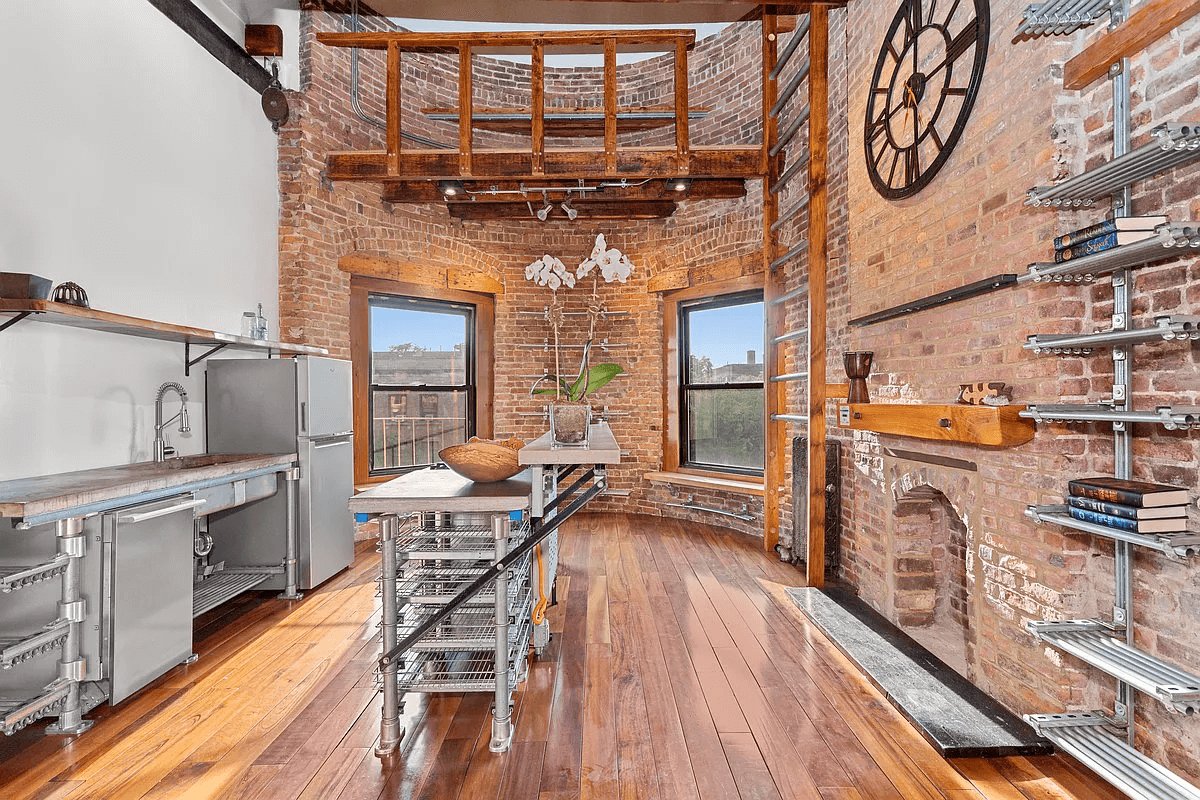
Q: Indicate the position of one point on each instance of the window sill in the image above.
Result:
(747, 485)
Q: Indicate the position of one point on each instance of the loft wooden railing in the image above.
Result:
(609, 161)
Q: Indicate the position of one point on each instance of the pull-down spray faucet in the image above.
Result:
(161, 448)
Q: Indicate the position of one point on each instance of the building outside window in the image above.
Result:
(422, 392)
(721, 394)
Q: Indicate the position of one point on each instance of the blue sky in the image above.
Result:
(724, 334)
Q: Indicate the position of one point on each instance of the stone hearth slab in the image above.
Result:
(954, 715)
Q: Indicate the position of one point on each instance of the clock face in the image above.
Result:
(925, 82)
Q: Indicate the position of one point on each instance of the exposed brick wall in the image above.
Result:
(970, 222)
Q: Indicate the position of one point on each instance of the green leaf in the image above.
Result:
(597, 377)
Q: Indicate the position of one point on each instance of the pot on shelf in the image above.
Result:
(569, 424)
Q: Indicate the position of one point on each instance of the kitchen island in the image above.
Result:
(473, 541)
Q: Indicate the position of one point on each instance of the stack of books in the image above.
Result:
(1104, 235)
(1136, 506)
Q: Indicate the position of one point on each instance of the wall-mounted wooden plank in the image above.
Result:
(264, 40)
(714, 275)
(983, 425)
(433, 277)
(1151, 21)
(666, 281)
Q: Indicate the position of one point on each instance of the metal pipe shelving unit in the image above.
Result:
(1105, 742)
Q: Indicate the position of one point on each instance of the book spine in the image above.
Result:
(1107, 520)
(1102, 507)
(1083, 234)
(1120, 496)
(1097, 245)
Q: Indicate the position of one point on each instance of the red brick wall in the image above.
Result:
(971, 222)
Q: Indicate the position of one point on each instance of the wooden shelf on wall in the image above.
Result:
(982, 425)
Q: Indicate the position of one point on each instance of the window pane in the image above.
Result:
(724, 344)
(725, 427)
(409, 428)
(416, 345)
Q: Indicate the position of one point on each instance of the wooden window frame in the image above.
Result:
(361, 287)
(672, 446)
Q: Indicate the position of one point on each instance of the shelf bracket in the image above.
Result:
(188, 361)
(15, 320)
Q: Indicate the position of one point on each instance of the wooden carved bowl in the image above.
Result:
(483, 461)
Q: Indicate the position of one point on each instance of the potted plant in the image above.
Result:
(569, 414)
(570, 417)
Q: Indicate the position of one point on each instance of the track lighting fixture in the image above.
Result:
(544, 211)
(568, 209)
(451, 188)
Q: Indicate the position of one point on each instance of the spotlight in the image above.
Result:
(544, 211)
(451, 188)
(569, 210)
(679, 184)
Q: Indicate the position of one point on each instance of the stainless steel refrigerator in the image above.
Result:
(300, 404)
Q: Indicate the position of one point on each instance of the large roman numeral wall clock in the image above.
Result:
(925, 82)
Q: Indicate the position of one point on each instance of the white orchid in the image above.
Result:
(549, 271)
(613, 264)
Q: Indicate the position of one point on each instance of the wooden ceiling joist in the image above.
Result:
(561, 122)
(510, 191)
(624, 209)
(586, 163)
(627, 41)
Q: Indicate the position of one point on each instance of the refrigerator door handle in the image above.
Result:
(303, 417)
(334, 443)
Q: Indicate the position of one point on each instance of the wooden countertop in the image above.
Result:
(65, 494)
(443, 490)
(602, 449)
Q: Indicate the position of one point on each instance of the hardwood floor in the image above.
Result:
(675, 672)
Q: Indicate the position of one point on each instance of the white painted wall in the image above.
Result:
(140, 168)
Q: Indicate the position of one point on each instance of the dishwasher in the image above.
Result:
(146, 592)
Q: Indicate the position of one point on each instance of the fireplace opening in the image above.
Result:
(931, 598)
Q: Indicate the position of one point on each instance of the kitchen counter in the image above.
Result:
(47, 498)
(443, 490)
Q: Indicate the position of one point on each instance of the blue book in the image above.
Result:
(1173, 525)
(1128, 512)
(1099, 244)
(1108, 226)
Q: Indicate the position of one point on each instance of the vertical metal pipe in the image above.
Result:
(1123, 365)
(390, 732)
(291, 562)
(502, 730)
(69, 534)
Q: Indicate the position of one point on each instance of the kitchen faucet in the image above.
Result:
(161, 448)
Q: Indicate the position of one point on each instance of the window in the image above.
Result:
(721, 395)
(418, 373)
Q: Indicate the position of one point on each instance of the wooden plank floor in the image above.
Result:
(677, 671)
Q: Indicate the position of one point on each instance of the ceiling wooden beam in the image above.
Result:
(198, 25)
(653, 40)
(624, 209)
(1151, 21)
(729, 161)
(510, 191)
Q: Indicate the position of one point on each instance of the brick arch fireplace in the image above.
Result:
(931, 560)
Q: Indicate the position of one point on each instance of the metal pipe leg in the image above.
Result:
(71, 541)
(390, 732)
(291, 578)
(502, 729)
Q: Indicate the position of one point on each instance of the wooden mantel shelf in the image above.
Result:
(982, 425)
(13, 311)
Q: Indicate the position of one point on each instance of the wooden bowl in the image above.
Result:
(483, 461)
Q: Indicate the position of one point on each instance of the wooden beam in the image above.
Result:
(623, 209)
(263, 40)
(1000, 426)
(507, 191)
(818, 254)
(465, 99)
(681, 102)
(1151, 21)
(774, 478)
(537, 115)
(711, 277)
(432, 277)
(653, 39)
(610, 106)
(198, 25)
(567, 122)
(633, 163)
(669, 280)
(393, 109)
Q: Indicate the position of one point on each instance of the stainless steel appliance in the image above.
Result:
(300, 404)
